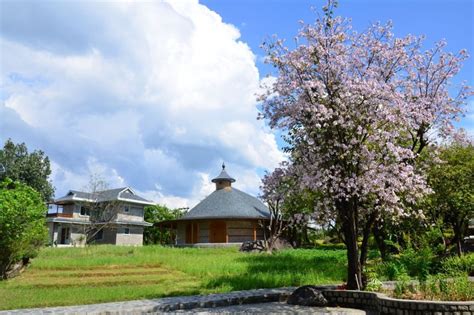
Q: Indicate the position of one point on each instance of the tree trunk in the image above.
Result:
(364, 248)
(458, 238)
(348, 213)
(379, 239)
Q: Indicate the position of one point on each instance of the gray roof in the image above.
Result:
(123, 194)
(223, 176)
(228, 203)
(84, 222)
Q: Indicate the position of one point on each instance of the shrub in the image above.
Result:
(456, 265)
(404, 287)
(390, 270)
(448, 288)
(374, 285)
(418, 263)
(22, 224)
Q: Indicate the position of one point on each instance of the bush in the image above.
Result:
(456, 265)
(448, 288)
(418, 263)
(337, 246)
(22, 224)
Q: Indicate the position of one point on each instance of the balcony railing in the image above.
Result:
(59, 215)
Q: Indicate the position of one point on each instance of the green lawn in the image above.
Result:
(68, 276)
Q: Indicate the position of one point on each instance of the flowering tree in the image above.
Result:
(358, 108)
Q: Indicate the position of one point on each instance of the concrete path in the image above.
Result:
(260, 301)
(274, 308)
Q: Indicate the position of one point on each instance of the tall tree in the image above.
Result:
(32, 169)
(453, 185)
(155, 214)
(22, 224)
(358, 108)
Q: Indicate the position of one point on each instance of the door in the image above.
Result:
(218, 232)
(64, 235)
(192, 233)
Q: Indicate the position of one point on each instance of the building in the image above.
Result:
(226, 216)
(120, 223)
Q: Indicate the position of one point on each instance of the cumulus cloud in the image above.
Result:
(153, 95)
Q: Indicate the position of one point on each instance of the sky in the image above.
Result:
(156, 95)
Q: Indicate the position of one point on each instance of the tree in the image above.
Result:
(358, 109)
(453, 185)
(290, 209)
(102, 210)
(32, 169)
(22, 223)
(155, 214)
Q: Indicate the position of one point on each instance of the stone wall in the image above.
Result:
(384, 305)
(108, 236)
(134, 238)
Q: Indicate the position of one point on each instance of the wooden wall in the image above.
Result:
(238, 231)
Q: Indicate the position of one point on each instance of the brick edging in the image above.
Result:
(385, 305)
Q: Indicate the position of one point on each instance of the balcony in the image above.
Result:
(59, 215)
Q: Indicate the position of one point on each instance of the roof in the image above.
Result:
(228, 203)
(120, 194)
(223, 176)
(84, 222)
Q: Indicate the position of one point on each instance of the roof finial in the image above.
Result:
(223, 166)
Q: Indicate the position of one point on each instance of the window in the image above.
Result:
(126, 231)
(85, 210)
(126, 209)
(99, 235)
(137, 210)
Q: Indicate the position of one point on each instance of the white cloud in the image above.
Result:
(153, 95)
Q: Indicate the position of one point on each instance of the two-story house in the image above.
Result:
(73, 222)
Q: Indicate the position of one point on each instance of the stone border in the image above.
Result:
(384, 305)
(376, 302)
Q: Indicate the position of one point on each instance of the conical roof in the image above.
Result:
(228, 204)
(223, 176)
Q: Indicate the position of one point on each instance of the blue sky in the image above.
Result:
(155, 95)
(451, 20)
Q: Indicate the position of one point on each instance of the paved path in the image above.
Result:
(261, 301)
(171, 304)
(275, 308)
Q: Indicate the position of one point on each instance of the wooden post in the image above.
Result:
(226, 233)
(254, 232)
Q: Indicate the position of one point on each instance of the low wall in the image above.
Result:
(384, 305)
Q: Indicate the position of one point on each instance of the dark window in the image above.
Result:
(85, 210)
(126, 231)
(126, 209)
(99, 235)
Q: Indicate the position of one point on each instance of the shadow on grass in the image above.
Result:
(280, 270)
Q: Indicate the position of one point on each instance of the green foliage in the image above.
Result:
(392, 270)
(31, 169)
(329, 246)
(22, 223)
(453, 184)
(404, 286)
(112, 273)
(155, 214)
(418, 263)
(373, 285)
(456, 265)
(447, 288)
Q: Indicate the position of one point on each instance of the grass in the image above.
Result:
(70, 276)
